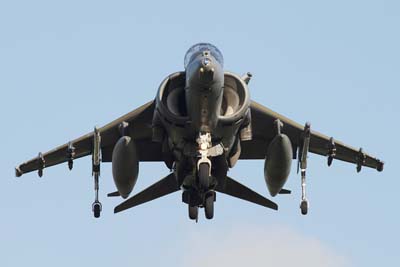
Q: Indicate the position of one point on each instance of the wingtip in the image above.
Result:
(380, 166)
(18, 172)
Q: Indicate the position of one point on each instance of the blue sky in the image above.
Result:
(65, 67)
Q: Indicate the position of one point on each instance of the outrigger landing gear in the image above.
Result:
(96, 207)
(96, 159)
(304, 201)
(303, 166)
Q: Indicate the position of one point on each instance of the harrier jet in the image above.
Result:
(201, 122)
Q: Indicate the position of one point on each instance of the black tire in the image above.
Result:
(204, 175)
(209, 206)
(96, 210)
(304, 207)
(97, 214)
(193, 212)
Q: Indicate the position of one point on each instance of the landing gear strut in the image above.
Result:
(204, 163)
(205, 152)
(96, 159)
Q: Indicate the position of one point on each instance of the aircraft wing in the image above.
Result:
(139, 127)
(263, 133)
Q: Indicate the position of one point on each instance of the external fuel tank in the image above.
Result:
(278, 163)
(125, 165)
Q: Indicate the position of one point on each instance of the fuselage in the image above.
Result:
(204, 91)
(200, 116)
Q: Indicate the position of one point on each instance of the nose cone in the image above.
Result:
(203, 65)
(203, 70)
(206, 71)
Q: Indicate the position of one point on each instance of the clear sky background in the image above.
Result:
(66, 67)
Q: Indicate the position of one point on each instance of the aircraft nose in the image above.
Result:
(206, 70)
(206, 61)
(203, 69)
(206, 73)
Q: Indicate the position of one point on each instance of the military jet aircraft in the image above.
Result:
(200, 124)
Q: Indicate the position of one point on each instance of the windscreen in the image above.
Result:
(199, 48)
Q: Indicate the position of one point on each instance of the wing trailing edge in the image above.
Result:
(164, 187)
(236, 189)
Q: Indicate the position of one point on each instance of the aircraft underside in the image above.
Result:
(200, 124)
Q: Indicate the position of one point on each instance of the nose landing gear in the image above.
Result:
(206, 151)
(204, 175)
(204, 163)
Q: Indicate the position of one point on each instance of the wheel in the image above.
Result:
(304, 207)
(204, 175)
(209, 206)
(193, 212)
(96, 209)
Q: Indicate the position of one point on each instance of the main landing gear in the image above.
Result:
(197, 201)
(193, 212)
(209, 205)
(209, 197)
(200, 196)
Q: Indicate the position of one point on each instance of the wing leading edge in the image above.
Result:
(263, 125)
(139, 127)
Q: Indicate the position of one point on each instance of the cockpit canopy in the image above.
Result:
(196, 49)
